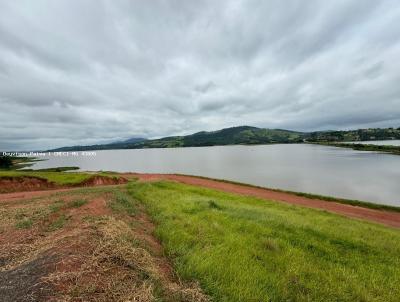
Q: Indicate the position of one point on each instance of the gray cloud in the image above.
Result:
(82, 72)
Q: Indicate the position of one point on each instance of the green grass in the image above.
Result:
(60, 178)
(248, 249)
(123, 203)
(77, 203)
(24, 223)
(57, 169)
(58, 223)
(56, 206)
(60, 204)
(354, 202)
(26, 219)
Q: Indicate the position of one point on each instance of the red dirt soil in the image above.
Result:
(380, 216)
(26, 183)
(102, 181)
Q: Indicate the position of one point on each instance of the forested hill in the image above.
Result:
(228, 136)
(369, 134)
(246, 135)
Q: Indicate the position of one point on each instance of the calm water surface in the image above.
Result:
(339, 172)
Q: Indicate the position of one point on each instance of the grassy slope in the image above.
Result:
(353, 202)
(59, 178)
(246, 249)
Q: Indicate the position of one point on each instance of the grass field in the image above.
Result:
(352, 202)
(247, 249)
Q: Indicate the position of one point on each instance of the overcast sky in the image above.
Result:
(81, 72)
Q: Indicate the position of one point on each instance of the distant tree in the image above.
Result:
(5, 162)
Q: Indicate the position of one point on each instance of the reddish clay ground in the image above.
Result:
(96, 253)
(380, 216)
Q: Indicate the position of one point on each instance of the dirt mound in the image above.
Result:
(98, 180)
(26, 183)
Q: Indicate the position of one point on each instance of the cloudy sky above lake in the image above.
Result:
(82, 72)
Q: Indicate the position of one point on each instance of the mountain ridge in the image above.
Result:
(245, 135)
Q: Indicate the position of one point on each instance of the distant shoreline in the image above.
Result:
(245, 135)
(389, 149)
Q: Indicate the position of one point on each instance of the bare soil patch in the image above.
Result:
(91, 254)
(18, 184)
(98, 180)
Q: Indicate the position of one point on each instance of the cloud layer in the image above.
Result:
(81, 72)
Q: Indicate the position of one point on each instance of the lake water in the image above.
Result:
(395, 142)
(332, 171)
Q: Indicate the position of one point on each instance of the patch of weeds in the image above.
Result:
(130, 239)
(26, 220)
(122, 203)
(56, 206)
(77, 203)
(25, 223)
(213, 205)
(58, 223)
(134, 224)
(20, 215)
(270, 245)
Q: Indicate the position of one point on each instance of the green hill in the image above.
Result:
(354, 135)
(246, 135)
(228, 136)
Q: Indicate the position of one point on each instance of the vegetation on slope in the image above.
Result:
(246, 249)
(246, 135)
(10, 162)
(353, 202)
(5, 162)
(228, 136)
(367, 147)
(111, 146)
(354, 135)
(59, 178)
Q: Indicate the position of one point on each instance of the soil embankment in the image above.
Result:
(29, 183)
